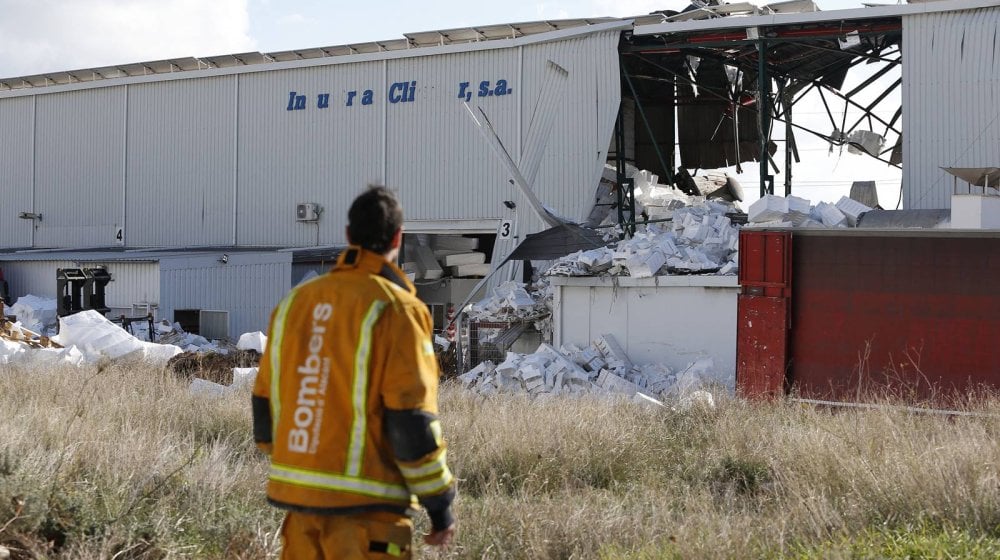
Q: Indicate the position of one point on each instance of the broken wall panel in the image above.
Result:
(705, 120)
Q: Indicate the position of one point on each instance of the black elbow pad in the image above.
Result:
(412, 433)
(261, 419)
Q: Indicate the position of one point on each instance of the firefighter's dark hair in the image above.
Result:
(375, 216)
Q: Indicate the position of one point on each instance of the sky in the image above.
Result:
(39, 36)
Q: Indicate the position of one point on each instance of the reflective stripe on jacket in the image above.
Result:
(342, 349)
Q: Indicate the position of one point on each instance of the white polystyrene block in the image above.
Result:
(463, 258)
(852, 209)
(767, 209)
(205, 388)
(252, 341)
(645, 266)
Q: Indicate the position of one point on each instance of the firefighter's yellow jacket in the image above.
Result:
(345, 400)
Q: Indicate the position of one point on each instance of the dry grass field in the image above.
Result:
(122, 462)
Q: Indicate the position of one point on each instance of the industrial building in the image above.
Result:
(172, 165)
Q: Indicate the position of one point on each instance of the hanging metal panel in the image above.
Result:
(951, 104)
(247, 285)
(577, 146)
(312, 135)
(436, 157)
(17, 116)
(181, 163)
(79, 148)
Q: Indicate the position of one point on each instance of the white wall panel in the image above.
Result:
(951, 100)
(325, 155)
(437, 159)
(249, 286)
(581, 132)
(37, 278)
(17, 118)
(199, 148)
(701, 322)
(79, 148)
(131, 282)
(181, 163)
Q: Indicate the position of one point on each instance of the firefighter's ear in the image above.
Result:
(397, 239)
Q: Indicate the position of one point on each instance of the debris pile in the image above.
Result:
(431, 257)
(601, 368)
(699, 239)
(85, 337)
(512, 301)
(98, 338)
(793, 211)
(167, 333)
(35, 313)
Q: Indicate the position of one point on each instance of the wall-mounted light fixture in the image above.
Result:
(224, 258)
(29, 216)
(510, 204)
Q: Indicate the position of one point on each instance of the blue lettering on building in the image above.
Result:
(402, 92)
(296, 102)
(398, 92)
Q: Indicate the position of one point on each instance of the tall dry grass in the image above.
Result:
(123, 463)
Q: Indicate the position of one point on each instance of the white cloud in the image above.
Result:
(294, 19)
(38, 36)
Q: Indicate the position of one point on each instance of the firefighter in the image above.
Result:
(345, 403)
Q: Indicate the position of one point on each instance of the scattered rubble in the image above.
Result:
(431, 257)
(511, 301)
(602, 368)
(35, 313)
(98, 338)
(699, 239)
(793, 211)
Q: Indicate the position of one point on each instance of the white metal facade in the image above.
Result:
(132, 282)
(248, 286)
(219, 159)
(951, 100)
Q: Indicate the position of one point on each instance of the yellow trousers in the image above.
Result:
(376, 535)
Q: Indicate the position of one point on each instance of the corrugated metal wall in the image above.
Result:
(16, 139)
(324, 155)
(249, 286)
(436, 156)
(131, 282)
(951, 100)
(79, 167)
(37, 278)
(223, 160)
(181, 166)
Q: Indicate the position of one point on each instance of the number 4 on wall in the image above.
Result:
(120, 236)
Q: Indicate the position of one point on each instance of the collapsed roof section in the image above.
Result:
(733, 80)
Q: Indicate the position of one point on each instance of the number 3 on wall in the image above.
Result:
(505, 231)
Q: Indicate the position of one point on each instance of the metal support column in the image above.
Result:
(669, 169)
(764, 116)
(787, 102)
(625, 191)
